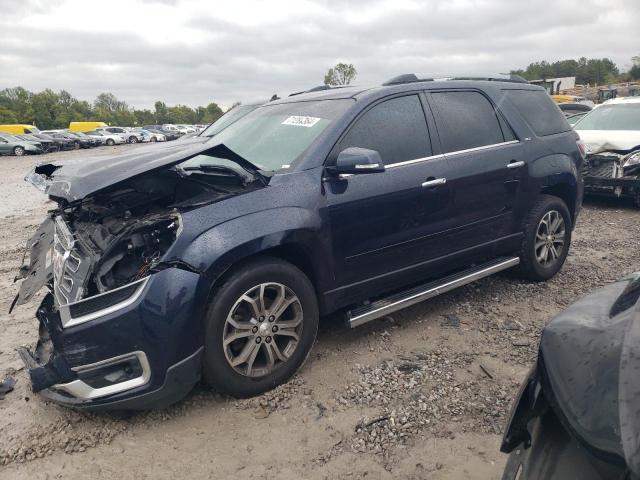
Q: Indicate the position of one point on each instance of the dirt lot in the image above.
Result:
(403, 397)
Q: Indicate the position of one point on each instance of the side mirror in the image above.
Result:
(356, 160)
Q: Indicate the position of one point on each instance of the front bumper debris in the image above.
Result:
(144, 354)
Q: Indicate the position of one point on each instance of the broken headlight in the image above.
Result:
(135, 252)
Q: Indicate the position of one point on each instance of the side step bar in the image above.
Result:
(398, 301)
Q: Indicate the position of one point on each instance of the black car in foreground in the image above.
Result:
(62, 143)
(178, 261)
(577, 415)
(48, 145)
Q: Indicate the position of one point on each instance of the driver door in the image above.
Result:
(385, 225)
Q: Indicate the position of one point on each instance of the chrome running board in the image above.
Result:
(398, 301)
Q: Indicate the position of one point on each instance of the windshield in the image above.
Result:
(274, 136)
(612, 117)
(227, 119)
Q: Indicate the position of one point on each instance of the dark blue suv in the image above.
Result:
(171, 263)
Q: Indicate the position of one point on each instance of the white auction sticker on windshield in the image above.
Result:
(299, 121)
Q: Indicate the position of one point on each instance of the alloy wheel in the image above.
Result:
(18, 151)
(262, 329)
(550, 238)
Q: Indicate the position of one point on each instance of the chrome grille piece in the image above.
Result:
(70, 265)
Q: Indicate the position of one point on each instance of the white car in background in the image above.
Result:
(107, 138)
(185, 129)
(128, 134)
(151, 136)
(611, 134)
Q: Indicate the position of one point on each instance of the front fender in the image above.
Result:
(214, 251)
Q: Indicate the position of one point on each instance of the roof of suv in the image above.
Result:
(358, 92)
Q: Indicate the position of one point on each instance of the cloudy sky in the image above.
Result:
(196, 51)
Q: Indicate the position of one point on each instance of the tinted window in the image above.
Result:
(395, 128)
(540, 112)
(466, 120)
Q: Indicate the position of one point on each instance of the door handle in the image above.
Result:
(435, 182)
(515, 164)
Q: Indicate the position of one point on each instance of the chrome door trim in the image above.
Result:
(457, 152)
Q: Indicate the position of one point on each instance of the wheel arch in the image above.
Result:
(558, 176)
(566, 192)
(292, 236)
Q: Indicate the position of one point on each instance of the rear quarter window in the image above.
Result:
(539, 111)
(466, 119)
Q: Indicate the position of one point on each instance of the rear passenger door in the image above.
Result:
(384, 224)
(486, 165)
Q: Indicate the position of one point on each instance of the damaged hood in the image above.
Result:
(621, 141)
(591, 358)
(75, 181)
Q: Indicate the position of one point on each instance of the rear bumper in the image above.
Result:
(139, 354)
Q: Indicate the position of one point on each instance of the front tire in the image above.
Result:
(133, 139)
(110, 142)
(18, 151)
(259, 329)
(547, 238)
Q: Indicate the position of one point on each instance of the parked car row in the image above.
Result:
(22, 140)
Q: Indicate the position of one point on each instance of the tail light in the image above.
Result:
(582, 147)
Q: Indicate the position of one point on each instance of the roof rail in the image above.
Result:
(503, 78)
(405, 78)
(411, 78)
(319, 88)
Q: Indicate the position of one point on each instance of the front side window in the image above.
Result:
(396, 129)
(467, 120)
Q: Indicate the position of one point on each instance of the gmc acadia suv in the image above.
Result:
(216, 260)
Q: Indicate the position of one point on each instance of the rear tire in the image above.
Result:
(153, 139)
(76, 145)
(110, 142)
(260, 326)
(18, 151)
(133, 139)
(547, 238)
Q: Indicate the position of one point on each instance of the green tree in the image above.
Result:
(18, 100)
(341, 74)
(160, 112)
(634, 73)
(45, 107)
(593, 71)
(7, 116)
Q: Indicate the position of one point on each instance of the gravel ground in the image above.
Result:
(422, 394)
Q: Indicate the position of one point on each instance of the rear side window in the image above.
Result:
(396, 129)
(467, 120)
(539, 111)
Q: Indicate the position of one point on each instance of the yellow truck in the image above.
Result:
(19, 129)
(86, 126)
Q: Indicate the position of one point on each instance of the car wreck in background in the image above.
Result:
(577, 413)
(611, 133)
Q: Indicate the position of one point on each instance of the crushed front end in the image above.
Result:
(613, 173)
(119, 327)
(109, 324)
